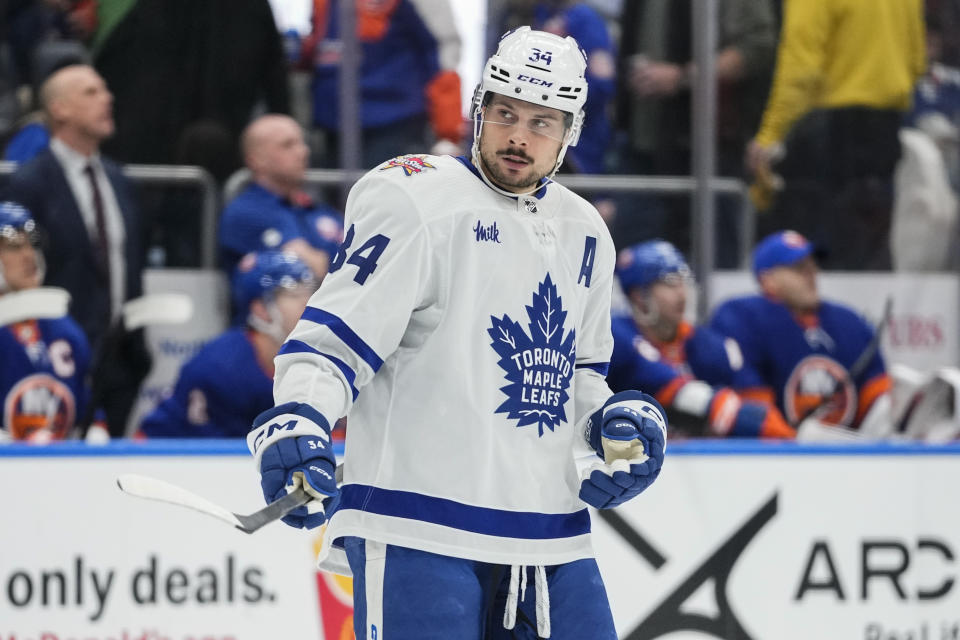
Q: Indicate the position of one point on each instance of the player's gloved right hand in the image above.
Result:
(729, 416)
(292, 447)
(629, 433)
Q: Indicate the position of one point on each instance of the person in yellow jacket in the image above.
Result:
(857, 61)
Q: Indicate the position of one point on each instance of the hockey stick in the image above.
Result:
(150, 309)
(33, 304)
(156, 308)
(162, 491)
(155, 489)
(859, 365)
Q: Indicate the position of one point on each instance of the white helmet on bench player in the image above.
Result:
(540, 68)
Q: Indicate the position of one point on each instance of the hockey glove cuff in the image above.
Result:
(292, 447)
(629, 433)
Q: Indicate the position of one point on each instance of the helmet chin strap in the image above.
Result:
(478, 161)
(646, 318)
(272, 327)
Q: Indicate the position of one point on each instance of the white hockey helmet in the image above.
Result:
(537, 67)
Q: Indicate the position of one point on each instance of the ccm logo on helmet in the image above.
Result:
(537, 81)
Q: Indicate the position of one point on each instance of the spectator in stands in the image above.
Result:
(856, 63)
(230, 380)
(809, 357)
(273, 212)
(174, 63)
(44, 354)
(688, 369)
(86, 210)
(936, 101)
(409, 88)
(656, 72)
(31, 135)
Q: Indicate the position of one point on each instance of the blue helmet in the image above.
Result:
(261, 273)
(15, 219)
(643, 264)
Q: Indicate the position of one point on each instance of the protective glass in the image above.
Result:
(681, 276)
(17, 236)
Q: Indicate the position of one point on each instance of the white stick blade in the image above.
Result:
(157, 308)
(33, 304)
(155, 489)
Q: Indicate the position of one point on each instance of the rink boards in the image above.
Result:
(752, 541)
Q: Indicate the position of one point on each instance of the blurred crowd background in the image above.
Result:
(839, 119)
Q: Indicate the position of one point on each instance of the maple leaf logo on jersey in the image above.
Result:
(410, 164)
(538, 364)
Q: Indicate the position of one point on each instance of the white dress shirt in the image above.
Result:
(74, 165)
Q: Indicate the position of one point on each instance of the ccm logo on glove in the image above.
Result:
(291, 426)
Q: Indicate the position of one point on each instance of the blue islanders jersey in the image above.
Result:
(257, 220)
(405, 46)
(796, 363)
(218, 394)
(662, 369)
(42, 377)
(465, 334)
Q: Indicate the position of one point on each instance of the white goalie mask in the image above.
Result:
(540, 68)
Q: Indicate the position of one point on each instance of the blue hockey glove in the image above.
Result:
(629, 433)
(292, 447)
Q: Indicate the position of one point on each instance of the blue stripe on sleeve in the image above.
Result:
(345, 333)
(492, 522)
(297, 346)
(600, 367)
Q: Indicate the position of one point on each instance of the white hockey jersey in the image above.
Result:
(466, 335)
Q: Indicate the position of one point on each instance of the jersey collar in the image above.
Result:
(539, 194)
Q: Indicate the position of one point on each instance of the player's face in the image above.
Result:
(283, 154)
(519, 142)
(670, 297)
(18, 263)
(795, 285)
(291, 303)
(88, 104)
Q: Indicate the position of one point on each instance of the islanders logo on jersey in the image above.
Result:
(39, 403)
(538, 364)
(817, 379)
(410, 164)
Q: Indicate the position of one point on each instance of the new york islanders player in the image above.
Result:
(465, 326)
(230, 380)
(688, 369)
(797, 348)
(43, 361)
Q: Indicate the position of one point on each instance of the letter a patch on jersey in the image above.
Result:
(538, 364)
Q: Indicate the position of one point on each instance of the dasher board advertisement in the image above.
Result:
(735, 541)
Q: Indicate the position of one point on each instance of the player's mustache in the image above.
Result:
(519, 153)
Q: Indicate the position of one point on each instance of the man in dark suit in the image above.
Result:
(88, 215)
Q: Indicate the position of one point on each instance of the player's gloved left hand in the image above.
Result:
(629, 433)
(292, 447)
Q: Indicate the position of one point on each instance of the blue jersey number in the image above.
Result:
(364, 258)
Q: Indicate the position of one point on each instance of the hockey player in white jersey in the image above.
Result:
(465, 329)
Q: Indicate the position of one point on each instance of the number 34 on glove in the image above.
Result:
(629, 433)
(292, 448)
